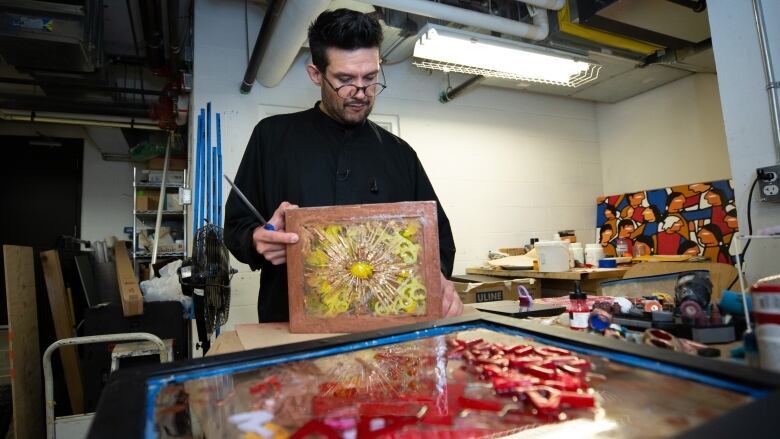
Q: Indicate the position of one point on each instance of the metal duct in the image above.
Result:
(287, 38)
(537, 31)
(288, 31)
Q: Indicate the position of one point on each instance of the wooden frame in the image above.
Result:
(363, 267)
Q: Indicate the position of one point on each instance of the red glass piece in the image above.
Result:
(550, 351)
(315, 426)
(480, 404)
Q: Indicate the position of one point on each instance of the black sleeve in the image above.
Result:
(240, 223)
(424, 192)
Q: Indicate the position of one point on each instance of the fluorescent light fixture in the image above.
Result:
(454, 50)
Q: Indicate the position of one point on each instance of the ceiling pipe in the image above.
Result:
(270, 21)
(151, 22)
(450, 94)
(83, 120)
(772, 85)
(286, 39)
(537, 31)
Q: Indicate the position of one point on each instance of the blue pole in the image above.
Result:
(219, 171)
(210, 177)
(202, 188)
(195, 192)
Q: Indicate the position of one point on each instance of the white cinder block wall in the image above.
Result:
(670, 135)
(507, 165)
(742, 88)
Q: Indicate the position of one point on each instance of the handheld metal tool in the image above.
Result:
(266, 224)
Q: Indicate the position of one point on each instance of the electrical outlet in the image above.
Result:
(769, 183)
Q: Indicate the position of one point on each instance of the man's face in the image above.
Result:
(649, 215)
(699, 187)
(692, 251)
(358, 67)
(606, 235)
(713, 198)
(676, 204)
(636, 199)
(626, 230)
(731, 222)
(706, 238)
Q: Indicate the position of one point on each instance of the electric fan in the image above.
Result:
(207, 277)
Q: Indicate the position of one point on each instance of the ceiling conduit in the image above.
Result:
(288, 30)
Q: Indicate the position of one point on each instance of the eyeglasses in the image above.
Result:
(348, 90)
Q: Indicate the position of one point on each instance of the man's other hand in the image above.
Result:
(450, 301)
(272, 244)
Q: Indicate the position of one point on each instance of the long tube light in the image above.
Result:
(454, 50)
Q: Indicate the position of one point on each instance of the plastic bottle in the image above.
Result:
(623, 247)
(578, 309)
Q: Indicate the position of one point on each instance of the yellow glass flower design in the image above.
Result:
(363, 268)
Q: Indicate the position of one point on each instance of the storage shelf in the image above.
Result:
(168, 185)
(145, 255)
(144, 219)
(154, 212)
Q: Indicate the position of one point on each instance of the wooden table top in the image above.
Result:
(574, 274)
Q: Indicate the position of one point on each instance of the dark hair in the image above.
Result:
(625, 223)
(686, 245)
(604, 228)
(732, 213)
(657, 213)
(343, 29)
(720, 194)
(671, 197)
(714, 229)
(612, 208)
(647, 240)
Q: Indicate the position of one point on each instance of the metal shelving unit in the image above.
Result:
(140, 216)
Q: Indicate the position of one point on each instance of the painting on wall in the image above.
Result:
(697, 219)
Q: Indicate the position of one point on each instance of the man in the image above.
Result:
(669, 239)
(328, 155)
(634, 209)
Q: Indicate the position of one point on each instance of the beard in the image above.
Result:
(348, 111)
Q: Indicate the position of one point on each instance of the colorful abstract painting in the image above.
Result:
(697, 219)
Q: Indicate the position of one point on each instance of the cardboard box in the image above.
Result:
(174, 164)
(147, 199)
(172, 202)
(129, 291)
(173, 177)
(493, 291)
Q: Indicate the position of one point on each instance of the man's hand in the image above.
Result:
(272, 244)
(450, 301)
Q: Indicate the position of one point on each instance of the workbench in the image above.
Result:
(563, 281)
(295, 388)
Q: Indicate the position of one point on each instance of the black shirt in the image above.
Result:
(311, 160)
